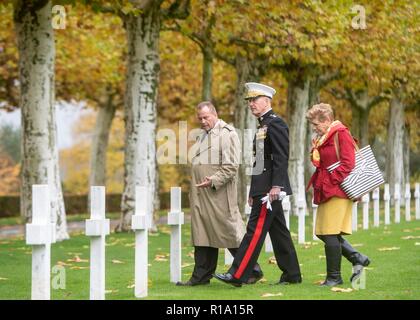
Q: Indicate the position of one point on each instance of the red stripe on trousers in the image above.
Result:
(253, 243)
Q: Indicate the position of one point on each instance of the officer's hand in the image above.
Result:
(206, 183)
(250, 201)
(274, 194)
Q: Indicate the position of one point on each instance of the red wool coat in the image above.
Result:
(327, 185)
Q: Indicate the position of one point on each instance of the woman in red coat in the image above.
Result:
(333, 142)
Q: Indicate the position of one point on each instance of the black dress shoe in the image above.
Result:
(228, 278)
(255, 278)
(191, 284)
(285, 281)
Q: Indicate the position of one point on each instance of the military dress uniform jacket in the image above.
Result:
(271, 151)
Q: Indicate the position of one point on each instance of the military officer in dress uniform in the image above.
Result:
(270, 178)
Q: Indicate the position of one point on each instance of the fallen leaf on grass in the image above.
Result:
(154, 234)
(322, 257)
(318, 281)
(337, 289)
(4, 279)
(184, 265)
(77, 259)
(417, 244)
(272, 260)
(111, 291)
(131, 286)
(357, 245)
(266, 295)
(161, 257)
(407, 230)
(78, 268)
(190, 254)
(115, 261)
(410, 237)
(389, 248)
(130, 244)
(62, 263)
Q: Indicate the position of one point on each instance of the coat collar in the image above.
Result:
(220, 124)
(265, 116)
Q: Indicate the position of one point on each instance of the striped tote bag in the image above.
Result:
(365, 175)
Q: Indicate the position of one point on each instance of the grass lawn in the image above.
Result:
(393, 274)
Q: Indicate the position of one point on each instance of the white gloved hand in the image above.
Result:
(266, 199)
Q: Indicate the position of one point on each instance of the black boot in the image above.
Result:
(333, 255)
(357, 259)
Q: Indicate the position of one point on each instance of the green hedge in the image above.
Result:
(75, 204)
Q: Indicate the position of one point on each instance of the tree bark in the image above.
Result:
(395, 146)
(100, 140)
(40, 164)
(207, 74)
(406, 153)
(140, 110)
(314, 89)
(297, 105)
(360, 108)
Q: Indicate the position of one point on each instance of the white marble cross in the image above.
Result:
(375, 198)
(97, 227)
(387, 198)
(407, 197)
(397, 203)
(139, 224)
(40, 234)
(365, 201)
(175, 220)
(301, 204)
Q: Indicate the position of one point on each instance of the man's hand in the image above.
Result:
(206, 183)
(274, 194)
(250, 201)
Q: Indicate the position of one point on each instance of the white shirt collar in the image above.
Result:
(265, 112)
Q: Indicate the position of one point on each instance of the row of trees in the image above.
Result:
(110, 55)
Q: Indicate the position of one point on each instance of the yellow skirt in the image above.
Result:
(334, 217)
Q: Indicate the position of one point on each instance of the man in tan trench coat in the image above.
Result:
(215, 218)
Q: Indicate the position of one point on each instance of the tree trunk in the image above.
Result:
(360, 117)
(140, 110)
(100, 144)
(246, 123)
(406, 153)
(360, 124)
(395, 160)
(297, 105)
(39, 142)
(207, 75)
(309, 168)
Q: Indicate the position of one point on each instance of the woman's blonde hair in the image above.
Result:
(321, 112)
